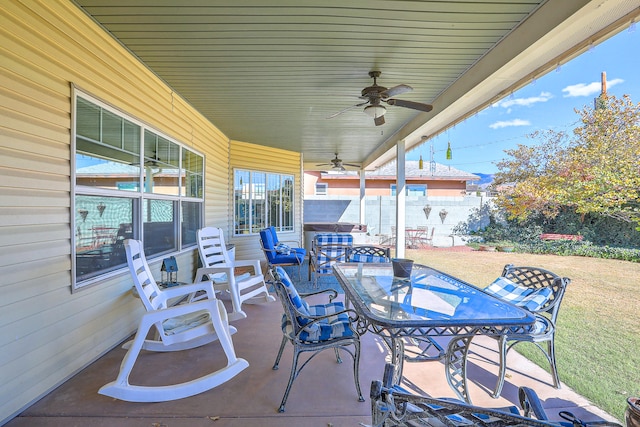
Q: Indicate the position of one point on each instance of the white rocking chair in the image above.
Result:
(180, 327)
(220, 268)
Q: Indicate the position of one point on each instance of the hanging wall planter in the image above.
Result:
(427, 210)
(443, 215)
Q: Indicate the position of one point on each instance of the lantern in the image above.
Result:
(169, 271)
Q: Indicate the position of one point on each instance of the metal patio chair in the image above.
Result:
(393, 406)
(369, 254)
(328, 249)
(314, 328)
(278, 253)
(540, 291)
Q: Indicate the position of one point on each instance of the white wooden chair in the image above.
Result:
(180, 327)
(220, 268)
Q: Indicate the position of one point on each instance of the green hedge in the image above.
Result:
(586, 249)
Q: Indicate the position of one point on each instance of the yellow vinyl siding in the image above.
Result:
(50, 333)
(260, 158)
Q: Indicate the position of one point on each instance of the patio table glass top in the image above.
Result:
(431, 299)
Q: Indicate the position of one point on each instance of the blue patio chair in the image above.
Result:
(328, 249)
(278, 253)
(539, 291)
(313, 328)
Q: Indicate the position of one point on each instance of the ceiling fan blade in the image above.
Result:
(410, 104)
(347, 109)
(394, 91)
(379, 121)
(351, 165)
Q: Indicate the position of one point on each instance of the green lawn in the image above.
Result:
(598, 331)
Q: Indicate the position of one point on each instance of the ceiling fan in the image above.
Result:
(376, 94)
(336, 164)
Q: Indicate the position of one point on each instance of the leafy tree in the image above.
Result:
(597, 171)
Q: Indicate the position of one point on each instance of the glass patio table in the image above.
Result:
(410, 313)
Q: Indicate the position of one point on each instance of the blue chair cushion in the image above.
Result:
(300, 304)
(522, 296)
(334, 327)
(330, 249)
(536, 299)
(367, 258)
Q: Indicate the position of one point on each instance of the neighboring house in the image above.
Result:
(433, 180)
(334, 197)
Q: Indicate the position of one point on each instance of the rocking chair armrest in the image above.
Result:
(205, 271)
(190, 289)
(181, 309)
(250, 263)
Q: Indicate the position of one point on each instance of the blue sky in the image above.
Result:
(546, 103)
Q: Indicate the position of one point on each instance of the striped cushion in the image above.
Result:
(334, 327)
(367, 258)
(331, 248)
(536, 299)
(300, 304)
(522, 296)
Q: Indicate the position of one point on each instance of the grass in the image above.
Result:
(597, 338)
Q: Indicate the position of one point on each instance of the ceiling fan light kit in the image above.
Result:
(375, 111)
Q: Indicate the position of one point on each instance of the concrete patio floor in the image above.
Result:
(323, 394)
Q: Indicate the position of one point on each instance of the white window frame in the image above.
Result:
(321, 192)
(257, 190)
(138, 196)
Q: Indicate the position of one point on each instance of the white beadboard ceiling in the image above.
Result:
(271, 71)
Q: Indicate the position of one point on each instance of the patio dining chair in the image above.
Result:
(369, 254)
(184, 326)
(218, 266)
(279, 253)
(394, 406)
(539, 291)
(314, 328)
(423, 238)
(328, 249)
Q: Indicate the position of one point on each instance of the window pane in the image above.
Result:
(258, 201)
(87, 120)
(112, 129)
(242, 202)
(287, 203)
(159, 226)
(107, 149)
(160, 172)
(274, 199)
(102, 225)
(193, 173)
(191, 222)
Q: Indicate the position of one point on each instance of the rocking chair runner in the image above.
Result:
(314, 328)
(218, 266)
(181, 327)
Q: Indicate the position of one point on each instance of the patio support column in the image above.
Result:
(400, 199)
(363, 186)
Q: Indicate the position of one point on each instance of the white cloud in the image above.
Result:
(587, 89)
(509, 123)
(525, 102)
